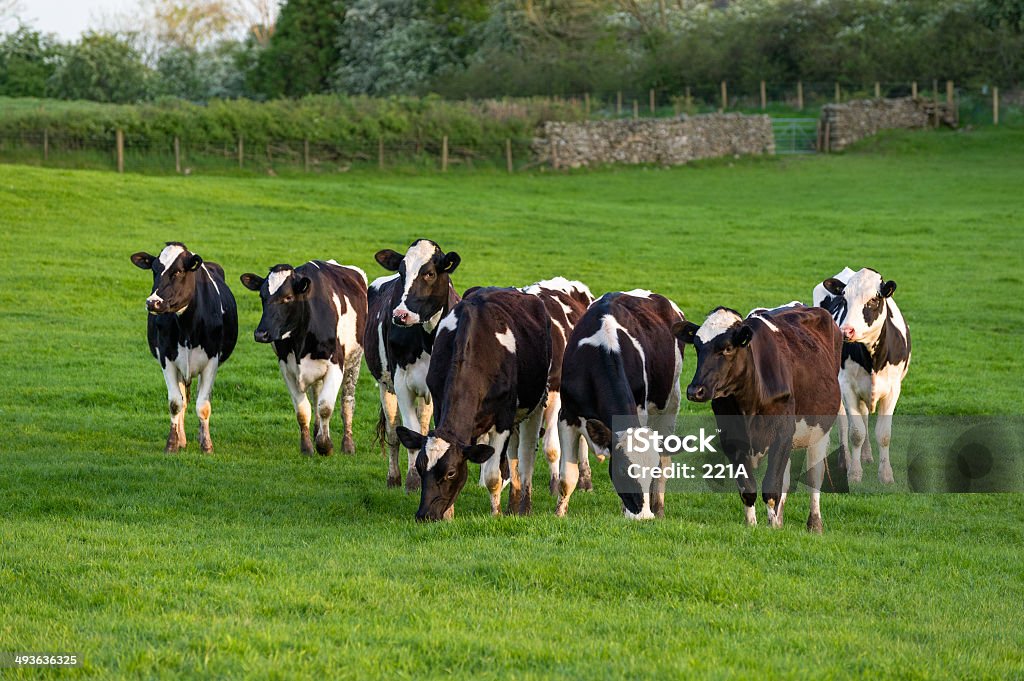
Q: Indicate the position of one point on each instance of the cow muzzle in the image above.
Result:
(697, 393)
(261, 336)
(847, 331)
(402, 316)
(155, 304)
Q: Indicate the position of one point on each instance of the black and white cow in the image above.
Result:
(773, 383)
(404, 311)
(488, 377)
(314, 316)
(192, 329)
(620, 370)
(876, 356)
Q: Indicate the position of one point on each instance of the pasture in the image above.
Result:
(258, 562)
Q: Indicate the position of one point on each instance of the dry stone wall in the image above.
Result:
(860, 118)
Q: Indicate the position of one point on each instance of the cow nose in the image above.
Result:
(261, 336)
(847, 331)
(421, 516)
(401, 318)
(152, 306)
(696, 393)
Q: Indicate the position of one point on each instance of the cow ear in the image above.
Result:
(300, 285)
(599, 433)
(834, 286)
(389, 259)
(685, 331)
(450, 262)
(251, 281)
(194, 263)
(888, 288)
(741, 336)
(410, 439)
(478, 453)
(470, 291)
(142, 260)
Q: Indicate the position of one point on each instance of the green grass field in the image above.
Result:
(258, 562)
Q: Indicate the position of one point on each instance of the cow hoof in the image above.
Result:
(865, 456)
(515, 500)
(394, 480)
(324, 447)
(306, 446)
(348, 445)
(586, 484)
(814, 524)
(885, 476)
(412, 481)
(207, 447)
(170, 449)
(526, 505)
(855, 476)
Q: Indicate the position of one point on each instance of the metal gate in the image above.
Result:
(795, 135)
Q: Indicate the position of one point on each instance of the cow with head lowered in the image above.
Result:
(620, 373)
(488, 379)
(192, 330)
(314, 316)
(773, 382)
(404, 311)
(876, 356)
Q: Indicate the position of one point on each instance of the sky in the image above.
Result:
(68, 18)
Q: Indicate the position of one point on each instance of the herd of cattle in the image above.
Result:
(500, 369)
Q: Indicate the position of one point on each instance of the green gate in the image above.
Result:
(795, 135)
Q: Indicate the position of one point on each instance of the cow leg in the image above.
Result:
(409, 413)
(490, 470)
(205, 388)
(326, 399)
(529, 432)
(883, 433)
(303, 412)
(515, 488)
(350, 378)
(816, 454)
(857, 411)
(665, 423)
(552, 449)
(844, 441)
(424, 412)
(569, 469)
(176, 403)
(387, 432)
(772, 486)
(586, 476)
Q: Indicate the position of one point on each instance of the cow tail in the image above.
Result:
(380, 435)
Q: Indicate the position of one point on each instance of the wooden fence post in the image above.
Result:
(586, 104)
(46, 145)
(878, 90)
(652, 100)
(764, 97)
(177, 155)
(636, 109)
(120, 150)
(913, 89)
(380, 153)
(838, 93)
(949, 92)
(935, 89)
(618, 104)
(508, 155)
(305, 154)
(241, 152)
(725, 96)
(444, 154)
(817, 135)
(995, 106)
(800, 95)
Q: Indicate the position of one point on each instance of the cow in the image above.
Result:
(876, 357)
(488, 378)
(314, 316)
(404, 311)
(620, 370)
(192, 330)
(773, 382)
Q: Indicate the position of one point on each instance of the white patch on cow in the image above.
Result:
(431, 323)
(412, 378)
(806, 435)
(346, 326)
(311, 370)
(767, 322)
(286, 335)
(566, 286)
(380, 281)
(418, 255)
(676, 308)
(507, 340)
(435, 449)
(313, 263)
(277, 279)
(190, 362)
(751, 515)
(170, 254)
(717, 323)
(154, 298)
(638, 293)
(897, 317)
(607, 336)
(181, 311)
(212, 280)
(355, 269)
(449, 323)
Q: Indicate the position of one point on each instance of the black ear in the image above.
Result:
(685, 331)
(251, 281)
(142, 260)
(599, 433)
(300, 285)
(741, 336)
(450, 262)
(478, 453)
(389, 259)
(888, 288)
(834, 286)
(410, 439)
(470, 291)
(194, 263)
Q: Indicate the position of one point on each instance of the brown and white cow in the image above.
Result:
(876, 357)
(773, 383)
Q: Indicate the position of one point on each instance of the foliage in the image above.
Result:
(101, 68)
(27, 62)
(303, 52)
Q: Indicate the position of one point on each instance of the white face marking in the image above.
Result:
(380, 281)
(170, 254)
(419, 254)
(154, 299)
(507, 340)
(449, 323)
(277, 279)
(861, 288)
(435, 449)
(717, 323)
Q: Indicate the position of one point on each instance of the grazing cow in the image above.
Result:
(314, 316)
(876, 356)
(192, 329)
(488, 377)
(773, 382)
(404, 311)
(620, 370)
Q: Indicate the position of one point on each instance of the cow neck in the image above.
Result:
(186, 319)
(880, 349)
(301, 333)
(621, 403)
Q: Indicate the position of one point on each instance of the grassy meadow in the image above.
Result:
(256, 562)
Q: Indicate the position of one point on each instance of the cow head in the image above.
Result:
(424, 277)
(443, 468)
(722, 344)
(861, 312)
(284, 295)
(174, 277)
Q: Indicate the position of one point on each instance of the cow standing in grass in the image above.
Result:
(488, 378)
(773, 383)
(314, 316)
(876, 357)
(404, 311)
(192, 329)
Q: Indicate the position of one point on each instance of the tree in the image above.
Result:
(302, 55)
(27, 61)
(102, 68)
